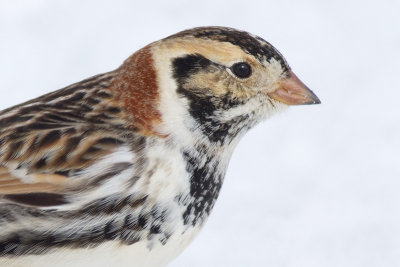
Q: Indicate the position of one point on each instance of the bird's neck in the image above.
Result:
(206, 162)
(206, 138)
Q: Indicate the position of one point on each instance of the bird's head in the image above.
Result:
(215, 81)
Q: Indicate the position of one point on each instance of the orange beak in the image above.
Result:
(292, 91)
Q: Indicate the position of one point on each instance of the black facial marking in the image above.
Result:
(189, 64)
(206, 109)
(203, 104)
(203, 109)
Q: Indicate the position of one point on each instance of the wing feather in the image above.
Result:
(46, 143)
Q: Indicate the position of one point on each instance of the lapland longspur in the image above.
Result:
(123, 168)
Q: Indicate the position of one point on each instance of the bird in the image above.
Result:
(124, 168)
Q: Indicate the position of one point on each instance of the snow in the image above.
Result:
(314, 186)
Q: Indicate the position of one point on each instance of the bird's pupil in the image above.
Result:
(241, 70)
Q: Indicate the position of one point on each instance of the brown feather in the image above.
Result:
(136, 86)
(9, 184)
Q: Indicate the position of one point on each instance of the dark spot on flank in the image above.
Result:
(155, 229)
(138, 202)
(113, 171)
(205, 185)
(111, 230)
(130, 221)
(143, 221)
(38, 199)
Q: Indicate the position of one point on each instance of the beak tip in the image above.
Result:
(315, 100)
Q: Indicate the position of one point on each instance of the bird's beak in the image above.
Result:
(292, 91)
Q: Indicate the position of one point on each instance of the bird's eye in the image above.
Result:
(241, 70)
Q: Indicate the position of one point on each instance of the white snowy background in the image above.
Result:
(314, 186)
